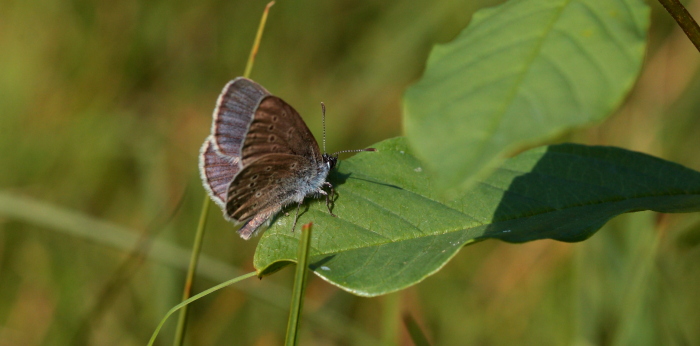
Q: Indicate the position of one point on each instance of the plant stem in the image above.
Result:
(391, 316)
(299, 286)
(684, 20)
(197, 246)
(256, 44)
(414, 330)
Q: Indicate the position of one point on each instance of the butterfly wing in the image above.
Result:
(277, 128)
(264, 186)
(233, 113)
(216, 172)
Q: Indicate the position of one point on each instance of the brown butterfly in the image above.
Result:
(261, 157)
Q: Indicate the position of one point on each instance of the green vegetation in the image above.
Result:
(104, 106)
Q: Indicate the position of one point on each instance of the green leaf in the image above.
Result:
(392, 230)
(521, 73)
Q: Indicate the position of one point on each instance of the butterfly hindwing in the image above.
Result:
(267, 184)
(216, 172)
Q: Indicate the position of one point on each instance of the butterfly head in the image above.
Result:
(330, 160)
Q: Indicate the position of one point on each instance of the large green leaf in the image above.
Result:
(519, 74)
(392, 229)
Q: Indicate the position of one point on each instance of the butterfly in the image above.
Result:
(261, 157)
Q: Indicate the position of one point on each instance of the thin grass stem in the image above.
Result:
(391, 316)
(199, 295)
(415, 331)
(191, 271)
(258, 38)
(197, 246)
(299, 286)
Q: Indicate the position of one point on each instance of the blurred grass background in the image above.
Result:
(103, 108)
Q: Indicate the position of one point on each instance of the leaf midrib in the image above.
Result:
(425, 235)
(508, 100)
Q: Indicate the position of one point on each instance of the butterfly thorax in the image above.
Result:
(313, 180)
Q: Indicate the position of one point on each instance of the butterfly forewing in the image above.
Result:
(233, 113)
(278, 129)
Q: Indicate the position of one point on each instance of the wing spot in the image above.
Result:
(271, 138)
(294, 165)
(257, 194)
(254, 177)
(274, 119)
(271, 127)
(251, 184)
(268, 168)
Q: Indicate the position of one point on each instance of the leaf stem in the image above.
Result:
(684, 20)
(299, 286)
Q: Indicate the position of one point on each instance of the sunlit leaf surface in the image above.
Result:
(521, 73)
(392, 231)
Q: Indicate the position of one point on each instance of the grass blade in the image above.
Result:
(299, 286)
(200, 295)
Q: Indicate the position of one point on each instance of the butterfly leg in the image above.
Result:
(329, 197)
(296, 217)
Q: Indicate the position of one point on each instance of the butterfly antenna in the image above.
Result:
(323, 111)
(353, 151)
